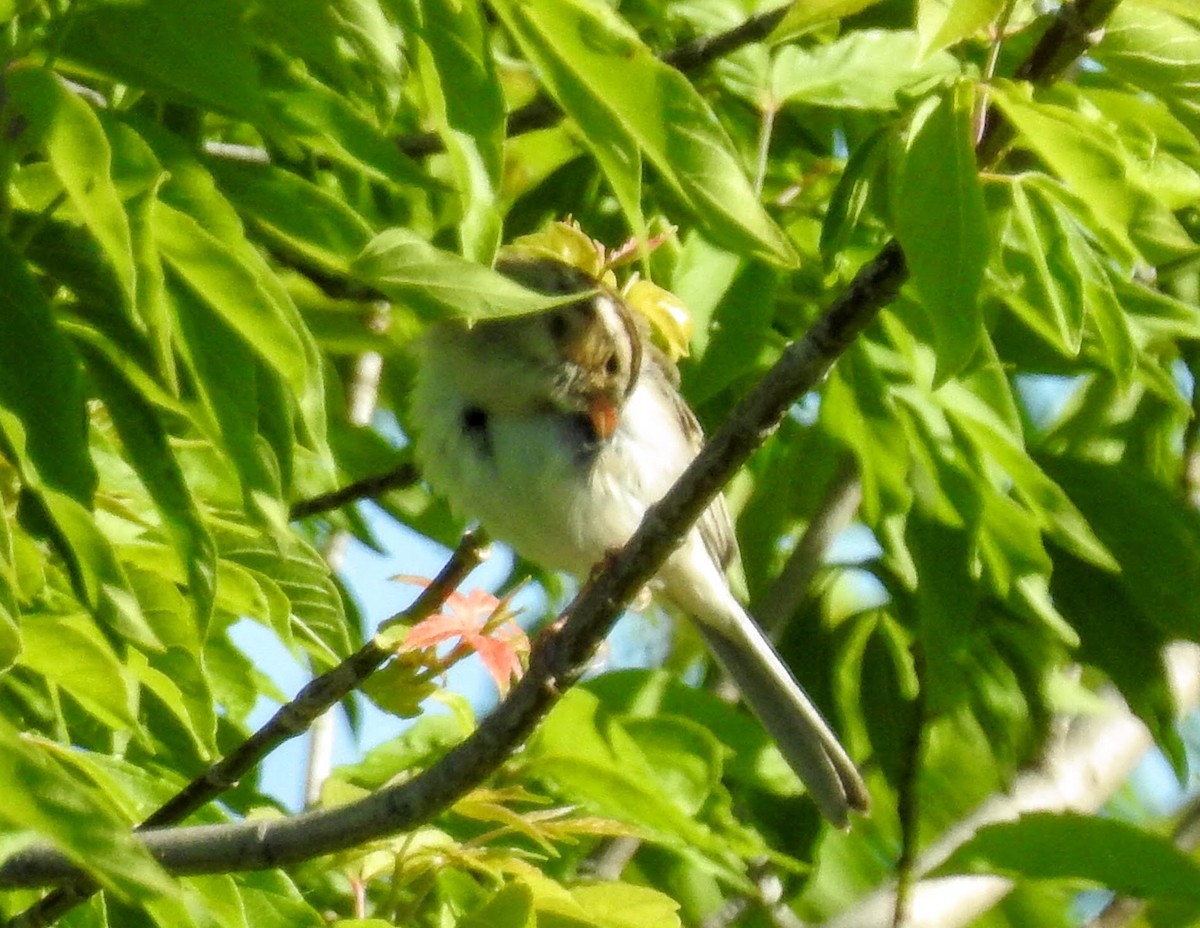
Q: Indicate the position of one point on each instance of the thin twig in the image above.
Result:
(398, 478)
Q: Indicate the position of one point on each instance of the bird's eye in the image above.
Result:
(612, 365)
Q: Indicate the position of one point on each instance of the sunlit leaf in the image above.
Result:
(146, 439)
(79, 819)
(471, 112)
(940, 220)
(1083, 151)
(942, 23)
(1156, 52)
(64, 126)
(865, 69)
(802, 16)
(191, 52)
(408, 269)
(596, 67)
(298, 214)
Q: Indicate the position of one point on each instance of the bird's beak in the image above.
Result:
(604, 415)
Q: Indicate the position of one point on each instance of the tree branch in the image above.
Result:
(289, 721)
(1070, 34)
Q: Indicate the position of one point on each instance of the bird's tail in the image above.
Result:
(789, 716)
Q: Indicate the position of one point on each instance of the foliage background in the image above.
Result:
(213, 212)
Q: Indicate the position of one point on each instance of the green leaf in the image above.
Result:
(942, 23)
(1156, 52)
(230, 278)
(10, 609)
(889, 704)
(146, 441)
(311, 114)
(1155, 539)
(231, 289)
(34, 354)
(863, 70)
(686, 755)
(749, 758)
(1086, 154)
(858, 180)
(947, 596)
(1049, 846)
(178, 679)
(803, 16)
(469, 107)
(740, 336)
(857, 411)
(96, 573)
(1119, 639)
(437, 283)
(701, 277)
(69, 651)
(294, 212)
(78, 818)
(428, 738)
(940, 221)
(225, 374)
(593, 63)
(1056, 509)
(312, 30)
(511, 907)
(190, 52)
(64, 126)
(624, 905)
(266, 899)
(315, 614)
(590, 759)
(1038, 254)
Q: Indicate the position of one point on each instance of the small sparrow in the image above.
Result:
(557, 431)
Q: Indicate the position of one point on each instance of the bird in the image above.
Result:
(556, 430)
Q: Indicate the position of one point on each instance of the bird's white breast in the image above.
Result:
(532, 480)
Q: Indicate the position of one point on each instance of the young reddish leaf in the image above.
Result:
(483, 624)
